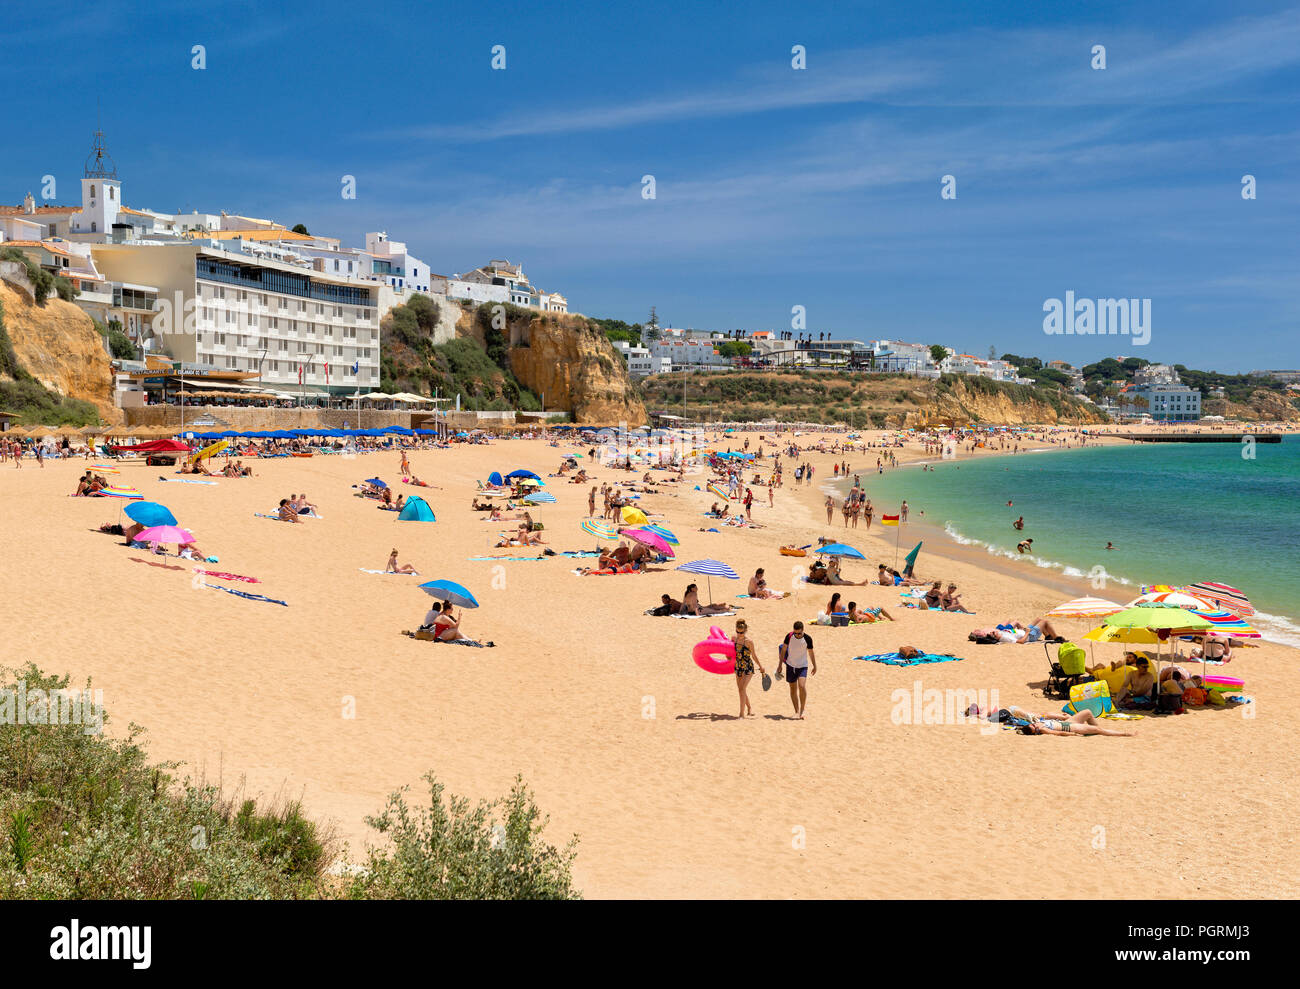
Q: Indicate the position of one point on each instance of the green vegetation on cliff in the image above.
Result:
(481, 375)
(31, 400)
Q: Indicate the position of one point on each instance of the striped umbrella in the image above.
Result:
(120, 491)
(1085, 608)
(599, 529)
(1173, 599)
(710, 569)
(1230, 597)
(663, 534)
(1227, 623)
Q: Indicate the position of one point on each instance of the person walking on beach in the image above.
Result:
(591, 502)
(830, 508)
(749, 505)
(746, 660)
(771, 493)
(406, 465)
(797, 656)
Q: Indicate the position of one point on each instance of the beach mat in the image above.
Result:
(389, 572)
(221, 575)
(893, 659)
(245, 594)
(182, 480)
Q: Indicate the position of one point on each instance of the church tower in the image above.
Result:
(101, 193)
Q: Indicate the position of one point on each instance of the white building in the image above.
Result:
(292, 325)
(640, 362)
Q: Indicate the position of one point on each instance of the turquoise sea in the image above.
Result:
(1176, 513)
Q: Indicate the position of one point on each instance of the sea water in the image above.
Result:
(1175, 512)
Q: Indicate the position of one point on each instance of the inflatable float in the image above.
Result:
(1224, 684)
(716, 654)
(793, 551)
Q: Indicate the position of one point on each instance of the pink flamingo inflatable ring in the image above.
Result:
(716, 654)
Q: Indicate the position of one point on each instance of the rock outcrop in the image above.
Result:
(966, 404)
(575, 367)
(57, 344)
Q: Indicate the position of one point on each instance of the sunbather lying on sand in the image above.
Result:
(1082, 723)
(691, 603)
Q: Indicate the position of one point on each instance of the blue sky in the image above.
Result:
(775, 187)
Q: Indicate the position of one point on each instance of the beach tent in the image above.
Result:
(495, 479)
(416, 510)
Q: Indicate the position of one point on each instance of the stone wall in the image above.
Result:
(267, 418)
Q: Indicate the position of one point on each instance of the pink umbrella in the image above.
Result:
(651, 539)
(165, 534)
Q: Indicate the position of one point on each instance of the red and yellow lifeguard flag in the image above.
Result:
(889, 520)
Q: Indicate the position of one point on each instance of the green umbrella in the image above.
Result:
(1157, 618)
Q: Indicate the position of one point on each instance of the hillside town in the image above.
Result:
(240, 307)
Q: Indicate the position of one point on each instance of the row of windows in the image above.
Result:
(217, 292)
(284, 282)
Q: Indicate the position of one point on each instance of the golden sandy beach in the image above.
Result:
(623, 739)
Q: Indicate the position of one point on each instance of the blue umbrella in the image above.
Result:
(150, 514)
(710, 569)
(376, 482)
(839, 549)
(449, 590)
(540, 498)
(522, 473)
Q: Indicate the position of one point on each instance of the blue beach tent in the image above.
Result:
(416, 510)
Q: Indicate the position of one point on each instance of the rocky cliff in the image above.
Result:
(1263, 405)
(573, 366)
(978, 400)
(57, 344)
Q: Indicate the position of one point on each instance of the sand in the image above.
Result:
(623, 740)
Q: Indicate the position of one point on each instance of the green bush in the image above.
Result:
(450, 850)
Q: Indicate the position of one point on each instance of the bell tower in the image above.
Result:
(101, 192)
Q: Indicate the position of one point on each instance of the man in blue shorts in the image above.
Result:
(797, 656)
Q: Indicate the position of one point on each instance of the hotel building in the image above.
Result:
(290, 324)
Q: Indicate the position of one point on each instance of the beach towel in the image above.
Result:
(245, 594)
(606, 573)
(227, 576)
(893, 659)
(390, 572)
(504, 559)
(183, 480)
(716, 614)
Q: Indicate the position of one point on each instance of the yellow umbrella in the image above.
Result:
(634, 516)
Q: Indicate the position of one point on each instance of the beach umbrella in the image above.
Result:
(659, 530)
(1086, 607)
(376, 482)
(150, 513)
(1157, 616)
(416, 509)
(599, 529)
(449, 590)
(1230, 597)
(540, 498)
(710, 569)
(633, 516)
(165, 534)
(120, 491)
(647, 538)
(1175, 599)
(532, 482)
(840, 549)
(522, 473)
(910, 560)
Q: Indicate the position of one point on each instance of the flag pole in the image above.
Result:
(898, 532)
